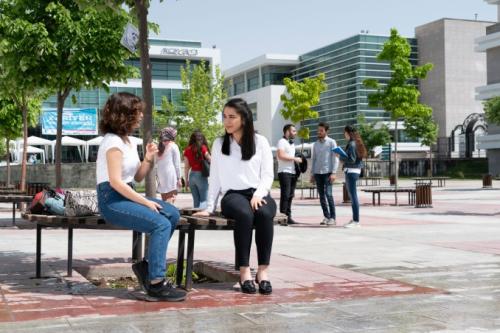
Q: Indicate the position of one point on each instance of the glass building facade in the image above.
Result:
(257, 78)
(346, 64)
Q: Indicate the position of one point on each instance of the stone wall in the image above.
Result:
(74, 175)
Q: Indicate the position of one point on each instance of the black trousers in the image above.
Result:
(288, 183)
(236, 205)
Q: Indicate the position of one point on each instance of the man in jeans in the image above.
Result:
(286, 170)
(324, 168)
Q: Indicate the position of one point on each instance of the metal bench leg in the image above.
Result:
(136, 246)
(378, 198)
(180, 258)
(373, 198)
(190, 254)
(13, 213)
(38, 251)
(70, 251)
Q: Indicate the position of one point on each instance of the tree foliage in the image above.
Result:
(299, 98)
(422, 127)
(24, 48)
(203, 98)
(374, 134)
(492, 110)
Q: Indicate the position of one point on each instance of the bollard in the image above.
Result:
(423, 196)
(392, 180)
(487, 181)
(345, 194)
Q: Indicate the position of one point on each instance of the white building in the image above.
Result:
(491, 45)
(260, 82)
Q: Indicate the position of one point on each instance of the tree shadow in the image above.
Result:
(459, 213)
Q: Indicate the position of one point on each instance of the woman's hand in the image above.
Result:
(256, 202)
(202, 213)
(154, 206)
(151, 150)
(179, 184)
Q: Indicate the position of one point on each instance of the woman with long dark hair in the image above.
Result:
(194, 154)
(242, 170)
(117, 167)
(353, 163)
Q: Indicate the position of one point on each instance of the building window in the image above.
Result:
(253, 108)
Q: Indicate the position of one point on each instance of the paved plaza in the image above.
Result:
(405, 270)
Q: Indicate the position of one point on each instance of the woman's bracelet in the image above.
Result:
(148, 160)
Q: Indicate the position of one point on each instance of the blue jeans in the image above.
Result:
(118, 210)
(324, 187)
(199, 189)
(350, 182)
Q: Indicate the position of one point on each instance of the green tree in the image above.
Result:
(492, 110)
(374, 134)
(139, 9)
(11, 124)
(298, 100)
(421, 126)
(24, 46)
(400, 95)
(203, 99)
(88, 52)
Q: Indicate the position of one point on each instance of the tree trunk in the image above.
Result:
(396, 163)
(24, 109)
(8, 162)
(147, 90)
(61, 98)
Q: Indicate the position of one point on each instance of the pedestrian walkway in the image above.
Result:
(405, 269)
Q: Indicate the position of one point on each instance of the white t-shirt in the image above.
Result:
(289, 149)
(130, 159)
(232, 173)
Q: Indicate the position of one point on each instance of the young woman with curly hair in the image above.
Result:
(117, 167)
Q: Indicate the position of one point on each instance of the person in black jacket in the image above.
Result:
(353, 163)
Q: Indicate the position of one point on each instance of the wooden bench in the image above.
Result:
(441, 181)
(370, 181)
(15, 199)
(187, 226)
(376, 191)
(313, 193)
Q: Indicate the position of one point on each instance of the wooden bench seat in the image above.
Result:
(377, 190)
(187, 225)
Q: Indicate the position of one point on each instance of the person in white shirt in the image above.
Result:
(242, 171)
(117, 167)
(286, 170)
(168, 165)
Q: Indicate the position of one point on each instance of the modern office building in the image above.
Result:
(260, 82)
(491, 45)
(449, 88)
(346, 64)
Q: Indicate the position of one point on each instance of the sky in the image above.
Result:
(245, 29)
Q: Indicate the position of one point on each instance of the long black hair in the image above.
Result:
(248, 137)
(196, 141)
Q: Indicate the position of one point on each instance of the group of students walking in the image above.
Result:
(241, 173)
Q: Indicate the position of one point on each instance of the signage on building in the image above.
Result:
(179, 52)
(75, 121)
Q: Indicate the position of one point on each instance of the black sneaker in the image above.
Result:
(291, 221)
(141, 271)
(164, 291)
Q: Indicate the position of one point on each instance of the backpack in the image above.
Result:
(39, 204)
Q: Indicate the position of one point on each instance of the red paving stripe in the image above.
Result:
(490, 247)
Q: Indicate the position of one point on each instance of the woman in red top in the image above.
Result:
(193, 156)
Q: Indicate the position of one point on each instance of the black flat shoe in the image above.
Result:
(247, 287)
(265, 287)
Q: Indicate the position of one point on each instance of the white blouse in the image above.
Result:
(230, 172)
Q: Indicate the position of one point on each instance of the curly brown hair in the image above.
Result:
(120, 114)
